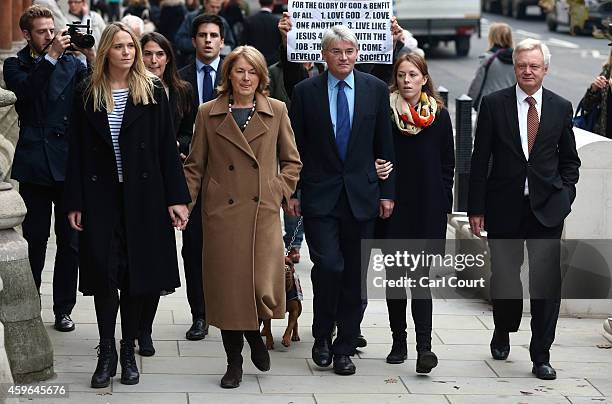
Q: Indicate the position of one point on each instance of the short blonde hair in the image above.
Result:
(500, 34)
(253, 57)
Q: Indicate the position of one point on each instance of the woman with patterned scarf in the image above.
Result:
(425, 163)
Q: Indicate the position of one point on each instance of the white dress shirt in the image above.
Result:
(200, 74)
(522, 107)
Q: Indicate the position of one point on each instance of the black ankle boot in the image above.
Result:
(129, 370)
(259, 353)
(107, 364)
(426, 360)
(399, 350)
(232, 342)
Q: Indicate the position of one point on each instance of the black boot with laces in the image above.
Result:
(107, 364)
(129, 370)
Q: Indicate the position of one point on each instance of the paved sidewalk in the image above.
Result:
(189, 372)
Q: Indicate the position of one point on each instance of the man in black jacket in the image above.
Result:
(204, 75)
(527, 130)
(341, 195)
(261, 32)
(43, 77)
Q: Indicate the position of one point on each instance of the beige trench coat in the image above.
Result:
(242, 178)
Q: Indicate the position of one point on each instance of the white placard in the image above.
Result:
(368, 19)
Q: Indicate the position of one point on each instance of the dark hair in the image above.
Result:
(420, 64)
(32, 13)
(266, 3)
(171, 77)
(207, 19)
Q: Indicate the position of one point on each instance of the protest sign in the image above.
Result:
(368, 19)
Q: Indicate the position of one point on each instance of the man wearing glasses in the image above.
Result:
(527, 195)
(341, 124)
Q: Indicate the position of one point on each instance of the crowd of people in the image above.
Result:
(183, 128)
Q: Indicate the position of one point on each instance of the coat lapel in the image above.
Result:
(513, 123)
(359, 110)
(61, 77)
(131, 114)
(99, 120)
(544, 119)
(324, 109)
(228, 127)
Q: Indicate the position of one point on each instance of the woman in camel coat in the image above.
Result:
(244, 162)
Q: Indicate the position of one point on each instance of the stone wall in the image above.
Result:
(9, 130)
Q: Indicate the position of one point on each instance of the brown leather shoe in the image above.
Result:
(294, 254)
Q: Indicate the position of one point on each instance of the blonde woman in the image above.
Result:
(244, 162)
(125, 191)
(496, 70)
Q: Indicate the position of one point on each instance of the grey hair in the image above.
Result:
(135, 23)
(338, 33)
(530, 44)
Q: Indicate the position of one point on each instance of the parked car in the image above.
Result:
(596, 12)
(511, 8)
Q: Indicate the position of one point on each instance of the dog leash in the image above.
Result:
(295, 232)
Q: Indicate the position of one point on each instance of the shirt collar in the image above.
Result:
(332, 81)
(521, 95)
(214, 64)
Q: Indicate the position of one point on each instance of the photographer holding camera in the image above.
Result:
(43, 76)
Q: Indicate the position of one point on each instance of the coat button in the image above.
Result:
(256, 199)
(58, 135)
(65, 118)
(145, 175)
(142, 145)
(231, 201)
(94, 178)
(231, 167)
(62, 97)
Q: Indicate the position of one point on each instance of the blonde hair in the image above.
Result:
(500, 34)
(140, 80)
(253, 57)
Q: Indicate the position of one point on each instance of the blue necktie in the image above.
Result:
(343, 121)
(207, 84)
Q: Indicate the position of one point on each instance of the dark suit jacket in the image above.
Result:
(261, 32)
(324, 174)
(188, 73)
(44, 105)
(552, 168)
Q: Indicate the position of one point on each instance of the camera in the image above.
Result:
(83, 40)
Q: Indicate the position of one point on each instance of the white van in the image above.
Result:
(435, 21)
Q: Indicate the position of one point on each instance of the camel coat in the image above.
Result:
(242, 178)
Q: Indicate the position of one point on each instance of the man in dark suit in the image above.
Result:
(261, 32)
(341, 124)
(527, 130)
(203, 75)
(43, 77)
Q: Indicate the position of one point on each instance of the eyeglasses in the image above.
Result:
(340, 52)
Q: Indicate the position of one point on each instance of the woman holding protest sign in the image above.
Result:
(425, 163)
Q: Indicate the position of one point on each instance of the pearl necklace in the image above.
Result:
(251, 113)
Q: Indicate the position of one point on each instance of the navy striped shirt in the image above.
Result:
(115, 117)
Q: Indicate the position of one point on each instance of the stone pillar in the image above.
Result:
(5, 370)
(17, 11)
(8, 131)
(6, 24)
(27, 343)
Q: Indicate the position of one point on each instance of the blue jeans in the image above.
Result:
(290, 225)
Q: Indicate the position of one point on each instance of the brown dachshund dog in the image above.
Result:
(294, 307)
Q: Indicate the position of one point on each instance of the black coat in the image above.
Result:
(424, 169)
(44, 105)
(552, 168)
(183, 124)
(261, 32)
(152, 180)
(324, 174)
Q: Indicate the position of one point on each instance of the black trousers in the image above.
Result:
(39, 201)
(420, 305)
(507, 255)
(334, 242)
(192, 261)
(107, 304)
